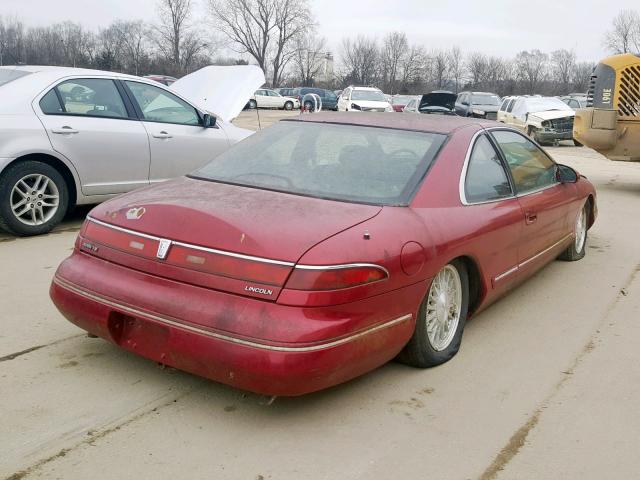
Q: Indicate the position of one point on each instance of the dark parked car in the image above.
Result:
(440, 102)
(478, 105)
(329, 99)
(163, 79)
(286, 91)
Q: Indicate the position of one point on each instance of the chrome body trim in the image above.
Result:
(219, 336)
(344, 265)
(190, 246)
(531, 259)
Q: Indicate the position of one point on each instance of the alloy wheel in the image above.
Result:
(34, 199)
(444, 305)
(581, 229)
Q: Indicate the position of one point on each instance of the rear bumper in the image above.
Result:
(314, 356)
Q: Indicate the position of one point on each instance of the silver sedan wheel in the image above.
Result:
(443, 307)
(581, 229)
(34, 199)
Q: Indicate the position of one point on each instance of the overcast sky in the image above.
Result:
(499, 27)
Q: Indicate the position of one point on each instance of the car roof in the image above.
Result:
(64, 71)
(367, 88)
(422, 123)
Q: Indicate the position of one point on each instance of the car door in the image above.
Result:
(89, 122)
(545, 202)
(262, 99)
(489, 199)
(275, 99)
(343, 103)
(461, 104)
(508, 114)
(518, 115)
(178, 140)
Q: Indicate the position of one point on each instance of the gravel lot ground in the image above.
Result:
(546, 384)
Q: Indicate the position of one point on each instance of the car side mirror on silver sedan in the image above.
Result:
(208, 121)
(565, 174)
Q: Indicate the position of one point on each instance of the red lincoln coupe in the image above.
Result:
(323, 247)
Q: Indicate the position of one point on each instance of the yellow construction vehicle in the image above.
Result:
(611, 122)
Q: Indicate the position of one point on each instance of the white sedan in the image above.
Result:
(266, 98)
(71, 136)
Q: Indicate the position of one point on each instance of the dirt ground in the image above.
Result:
(546, 385)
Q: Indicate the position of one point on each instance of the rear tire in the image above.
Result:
(577, 250)
(430, 345)
(34, 198)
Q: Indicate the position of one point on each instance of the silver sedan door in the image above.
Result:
(179, 142)
(87, 122)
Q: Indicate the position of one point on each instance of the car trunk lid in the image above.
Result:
(232, 238)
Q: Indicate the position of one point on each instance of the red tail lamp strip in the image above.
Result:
(335, 277)
(239, 268)
(134, 244)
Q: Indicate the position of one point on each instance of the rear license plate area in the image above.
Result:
(138, 335)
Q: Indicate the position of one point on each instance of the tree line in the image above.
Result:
(282, 38)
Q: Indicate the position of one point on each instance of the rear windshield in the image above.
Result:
(485, 99)
(368, 95)
(339, 162)
(8, 75)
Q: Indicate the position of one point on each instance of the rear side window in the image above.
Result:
(50, 104)
(530, 167)
(510, 107)
(503, 107)
(92, 97)
(486, 178)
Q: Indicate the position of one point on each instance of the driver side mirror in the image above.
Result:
(208, 121)
(566, 174)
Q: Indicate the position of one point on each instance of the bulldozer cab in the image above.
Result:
(610, 124)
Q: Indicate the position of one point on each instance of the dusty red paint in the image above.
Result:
(175, 300)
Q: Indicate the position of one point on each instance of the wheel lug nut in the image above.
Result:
(39, 204)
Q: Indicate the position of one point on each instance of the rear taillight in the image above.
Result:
(337, 277)
(228, 266)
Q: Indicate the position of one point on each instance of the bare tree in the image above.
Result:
(532, 68)
(413, 65)
(624, 35)
(360, 58)
(175, 35)
(581, 75)
(133, 35)
(394, 49)
(308, 58)
(11, 41)
(439, 67)
(456, 67)
(110, 49)
(265, 29)
(563, 64)
(292, 19)
(477, 66)
(249, 24)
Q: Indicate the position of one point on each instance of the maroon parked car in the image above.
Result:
(323, 247)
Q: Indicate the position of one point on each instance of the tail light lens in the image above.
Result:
(335, 277)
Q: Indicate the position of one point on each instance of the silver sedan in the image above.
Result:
(71, 136)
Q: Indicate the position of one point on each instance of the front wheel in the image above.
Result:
(288, 106)
(253, 104)
(34, 198)
(441, 319)
(578, 247)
